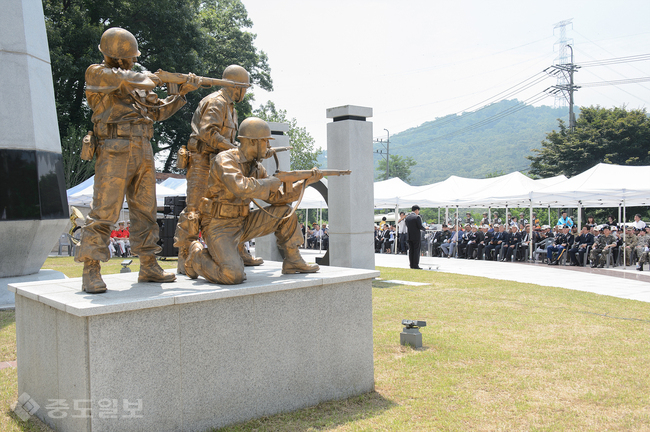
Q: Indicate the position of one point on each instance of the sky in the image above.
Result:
(415, 61)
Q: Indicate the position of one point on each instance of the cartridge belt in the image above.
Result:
(222, 210)
(123, 130)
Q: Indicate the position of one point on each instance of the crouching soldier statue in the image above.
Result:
(236, 178)
(124, 109)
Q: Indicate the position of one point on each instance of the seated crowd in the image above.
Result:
(119, 244)
(317, 236)
(510, 241)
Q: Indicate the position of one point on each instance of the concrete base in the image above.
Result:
(7, 299)
(191, 355)
(411, 337)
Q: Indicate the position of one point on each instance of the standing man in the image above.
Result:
(414, 226)
(124, 108)
(402, 232)
(638, 223)
(236, 178)
(214, 129)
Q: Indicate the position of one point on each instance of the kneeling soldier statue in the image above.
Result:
(124, 109)
(236, 178)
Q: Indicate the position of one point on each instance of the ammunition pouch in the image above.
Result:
(182, 158)
(214, 209)
(88, 146)
(193, 145)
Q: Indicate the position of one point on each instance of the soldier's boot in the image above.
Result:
(195, 248)
(293, 262)
(182, 256)
(150, 271)
(91, 281)
(248, 258)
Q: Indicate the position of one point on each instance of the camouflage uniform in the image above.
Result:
(596, 255)
(643, 242)
(630, 242)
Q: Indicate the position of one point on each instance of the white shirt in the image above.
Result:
(401, 226)
(639, 224)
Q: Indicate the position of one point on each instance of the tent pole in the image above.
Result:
(549, 216)
(457, 236)
(530, 232)
(395, 236)
(306, 225)
(579, 216)
(490, 215)
(438, 215)
(624, 238)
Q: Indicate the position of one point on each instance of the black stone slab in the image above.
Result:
(32, 185)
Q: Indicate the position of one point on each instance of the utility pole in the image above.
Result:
(572, 117)
(564, 71)
(387, 155)
(381, 152)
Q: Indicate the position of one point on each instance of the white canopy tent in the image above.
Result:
(604, 185)
(82, 194)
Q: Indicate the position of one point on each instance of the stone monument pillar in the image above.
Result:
(267, 247)
(351, 198)
(33, 202)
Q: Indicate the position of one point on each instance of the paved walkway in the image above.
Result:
(618, 282)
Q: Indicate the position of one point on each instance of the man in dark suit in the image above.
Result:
(487, 238)
(580, 246)
(414, 226)
(475, 237)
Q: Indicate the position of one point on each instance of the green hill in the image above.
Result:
(441, 150)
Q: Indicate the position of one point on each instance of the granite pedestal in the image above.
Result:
(189, 355)
(351, 202)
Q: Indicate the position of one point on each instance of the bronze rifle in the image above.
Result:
(179, 78)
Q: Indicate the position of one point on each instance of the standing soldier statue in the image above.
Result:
(236, 177)
(214, 129)
(124, 109)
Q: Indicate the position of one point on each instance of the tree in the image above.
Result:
(399, 167)
(303, 153)
(203, 37)
(76, 169)
(616, 136)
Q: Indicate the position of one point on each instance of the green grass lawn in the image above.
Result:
(497, 356)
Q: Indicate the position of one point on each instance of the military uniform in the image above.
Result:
(641, 249)
(124, 109)
(596, 255)
(630, 241)
(214, 128)
(236, 178)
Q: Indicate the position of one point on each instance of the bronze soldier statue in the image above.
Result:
(214, 129)
(124, 109)
(237, 177)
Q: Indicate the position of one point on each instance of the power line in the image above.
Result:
(505, 94)
(616, 82)
(617, 60)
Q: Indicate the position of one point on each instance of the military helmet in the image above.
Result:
(254, 128)
(236, 73)
(118, 43)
